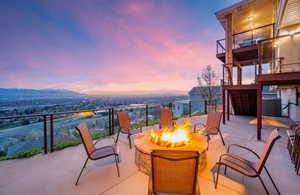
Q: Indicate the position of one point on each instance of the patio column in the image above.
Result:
(223, 101)
(229, 46)
(228, 105)
(259, 110)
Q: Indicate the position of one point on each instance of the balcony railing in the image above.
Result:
(48, 132)
(246, 38)
(220, 47)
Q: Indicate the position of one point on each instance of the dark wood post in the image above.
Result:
(259, 110)
(223, 102)
(228, 105)
(239, 75)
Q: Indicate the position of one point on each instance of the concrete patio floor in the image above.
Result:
(55, 173)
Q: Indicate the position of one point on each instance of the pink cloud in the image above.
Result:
(139, 45)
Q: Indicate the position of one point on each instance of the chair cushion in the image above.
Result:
(103, 152)
(239, 164)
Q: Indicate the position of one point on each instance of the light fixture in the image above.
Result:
(250, 18)
(276, 43)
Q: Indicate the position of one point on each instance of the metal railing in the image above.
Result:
(252, 37)
(246, 38)
(220, 46)
(48, 130)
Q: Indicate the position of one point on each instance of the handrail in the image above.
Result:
(48, 118)
(79, 111)
(234, 35)
(253, 29)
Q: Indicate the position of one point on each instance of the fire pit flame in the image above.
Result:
(179, 136)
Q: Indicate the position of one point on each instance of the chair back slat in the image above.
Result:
(213, 122)
(124, 120)
(174, 171)
(266, 150)
(86, 138)
(166, 118)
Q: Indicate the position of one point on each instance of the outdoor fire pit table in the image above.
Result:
(144, 147)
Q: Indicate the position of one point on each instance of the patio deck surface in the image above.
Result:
(56, 173)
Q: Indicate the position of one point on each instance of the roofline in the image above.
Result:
(230, 8)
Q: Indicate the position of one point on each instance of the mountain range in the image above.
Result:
(13, 93)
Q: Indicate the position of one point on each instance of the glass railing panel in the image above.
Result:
(197, 106)
(65, 133)
(252, 37)
(154, 113)
(21, 137)
(248, 75)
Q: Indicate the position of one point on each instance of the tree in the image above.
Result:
(207, 82)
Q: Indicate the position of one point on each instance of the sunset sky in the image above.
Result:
(107, 45)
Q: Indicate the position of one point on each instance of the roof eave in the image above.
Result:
(229, 9)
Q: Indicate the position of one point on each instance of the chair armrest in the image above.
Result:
(242, 147)
(114, 140)
(220, 162)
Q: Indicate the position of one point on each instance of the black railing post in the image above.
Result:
(215, 105)
(170, 105)
(146, 115)
(205, 106)
(190, 108)
(112, 121)
(51, 133)
(109, 121)
(45, 135)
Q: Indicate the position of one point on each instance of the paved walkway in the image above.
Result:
(55, 173)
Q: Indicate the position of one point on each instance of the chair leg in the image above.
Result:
(217, 179)
(272, 181)
(261, 181)
(81, 171)
(222, 137)
(116, 159)
(208, 138)
(117, 137)
(129, 141)
(225, 170)
(297, 163)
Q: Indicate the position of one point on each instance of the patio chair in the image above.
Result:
(166, 118)
(94, 153)
(125, 126)
(212, 126)
(293, 134)
(294, 146)
(246, 167)
(174, 172)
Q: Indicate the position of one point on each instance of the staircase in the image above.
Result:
(243, 102)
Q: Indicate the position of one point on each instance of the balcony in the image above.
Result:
(245, 45)
(55, 173)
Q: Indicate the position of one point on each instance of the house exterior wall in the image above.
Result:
(289, 97)
(289, 50)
